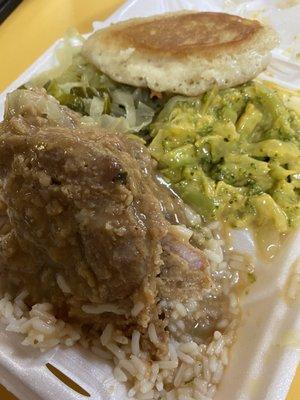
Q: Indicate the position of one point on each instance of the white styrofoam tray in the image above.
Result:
(263, 361)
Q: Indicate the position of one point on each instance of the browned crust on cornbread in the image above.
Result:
(182, 34)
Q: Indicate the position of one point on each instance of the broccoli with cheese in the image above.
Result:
(234, 154)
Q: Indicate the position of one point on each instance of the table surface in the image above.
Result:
(30, 30)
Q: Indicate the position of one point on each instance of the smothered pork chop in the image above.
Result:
(85, 209)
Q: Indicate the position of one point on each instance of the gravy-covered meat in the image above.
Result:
(89, 220)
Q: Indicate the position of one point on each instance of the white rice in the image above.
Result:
(190, 370)
(137, 308)
(152, 335)
(121, 339)
(62, 284)
(39, 326)
(135, 343)
(107, 334)
(116, 351)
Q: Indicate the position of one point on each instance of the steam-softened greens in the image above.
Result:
(233, 154)
(83, 88)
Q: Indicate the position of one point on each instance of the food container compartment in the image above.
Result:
(267, 351)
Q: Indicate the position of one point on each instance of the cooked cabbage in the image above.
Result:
(83, 88)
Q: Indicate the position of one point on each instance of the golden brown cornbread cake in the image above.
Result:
(186, 52)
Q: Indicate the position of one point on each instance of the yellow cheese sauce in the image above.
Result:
(234, 155)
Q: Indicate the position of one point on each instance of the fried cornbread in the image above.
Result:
(186, 52)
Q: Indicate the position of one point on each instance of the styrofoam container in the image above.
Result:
(267, 351)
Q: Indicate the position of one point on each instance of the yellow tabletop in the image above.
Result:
(29, 31)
